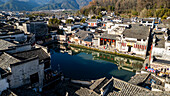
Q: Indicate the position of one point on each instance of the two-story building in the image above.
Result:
(135, 39)
(82, 37)
(14, 35)
(20, 72)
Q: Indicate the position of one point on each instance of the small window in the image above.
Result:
(34, 78)
(144, 22)
(138, 39)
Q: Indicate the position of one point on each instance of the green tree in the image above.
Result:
(164, 17)
(98, 17)
(54, 21)
(135, 13)
(83, 20)
(69, 21)
(163, 13)
(93, 17)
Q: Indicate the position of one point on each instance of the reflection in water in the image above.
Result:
(122, 62)
(89, 65)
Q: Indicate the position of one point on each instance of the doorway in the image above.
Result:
(129, 48)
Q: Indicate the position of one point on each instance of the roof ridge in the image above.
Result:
(113, 78)
(27, 50)
(10, 55)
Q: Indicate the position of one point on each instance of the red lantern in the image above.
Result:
(142, 46)
(92, 24)
(113, 40)
(101, 39)
(105, 39)
(109, 40)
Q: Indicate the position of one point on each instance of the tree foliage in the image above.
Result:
(93, 17)
(69, 21)
(134, 13)
(54, 21)
(83, 20)
(133, 7)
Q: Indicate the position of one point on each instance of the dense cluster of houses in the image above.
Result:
(125, 35)
(131, 36)
(145, 37)
(24, 62)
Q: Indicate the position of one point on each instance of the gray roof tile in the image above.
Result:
(4, 45)
(32, 53)
(137, 31)
(5, 61)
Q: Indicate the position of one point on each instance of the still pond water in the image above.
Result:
(87, 66)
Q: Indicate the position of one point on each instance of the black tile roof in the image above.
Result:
(138, 78)
(137, 31)
(42, 55)
(5, 61)
(4, 45)
(109, 36)
(82, 34)
(125, 88)
(153, 93)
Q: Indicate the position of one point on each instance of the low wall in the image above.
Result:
(81, 82)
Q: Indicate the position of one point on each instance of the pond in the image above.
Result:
(89, 65)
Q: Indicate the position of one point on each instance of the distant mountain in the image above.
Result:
(59, 4)
(28, 5)
(63, 4)
(42, 2)
(19, 5)
(83, 2)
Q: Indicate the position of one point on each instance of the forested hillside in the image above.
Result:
(143, 8)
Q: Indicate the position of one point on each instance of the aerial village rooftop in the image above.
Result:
(25, 60)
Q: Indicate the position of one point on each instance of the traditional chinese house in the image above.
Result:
(135, 39)
(108, 40)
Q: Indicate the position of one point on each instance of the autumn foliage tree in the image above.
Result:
(158, 8)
